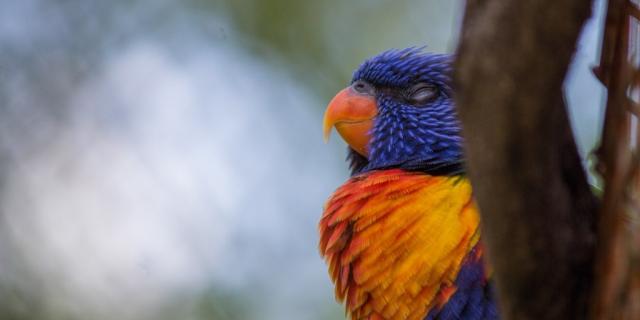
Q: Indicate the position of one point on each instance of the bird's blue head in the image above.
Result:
(398, 112)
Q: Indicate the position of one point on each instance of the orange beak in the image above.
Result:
(352, 114)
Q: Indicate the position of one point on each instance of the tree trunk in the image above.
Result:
(537, 209)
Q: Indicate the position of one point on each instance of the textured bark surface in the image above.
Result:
(537, 208)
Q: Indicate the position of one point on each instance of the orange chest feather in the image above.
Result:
(394, 241)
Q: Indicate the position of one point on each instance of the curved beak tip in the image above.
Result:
(326, 130)
(351, 114)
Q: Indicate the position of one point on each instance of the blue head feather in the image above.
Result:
(421, 137)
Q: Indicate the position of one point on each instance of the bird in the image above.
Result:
(401, 237)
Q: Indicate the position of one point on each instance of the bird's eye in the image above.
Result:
(422, 93)
(363, 87)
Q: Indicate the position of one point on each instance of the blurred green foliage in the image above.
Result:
(322, 42)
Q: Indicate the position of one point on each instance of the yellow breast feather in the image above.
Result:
(394, 241)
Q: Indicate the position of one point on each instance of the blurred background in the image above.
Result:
(164, 159)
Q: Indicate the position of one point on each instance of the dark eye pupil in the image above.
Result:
(362, 87)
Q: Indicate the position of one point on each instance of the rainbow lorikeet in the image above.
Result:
(401, 236)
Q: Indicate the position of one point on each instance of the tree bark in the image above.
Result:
(537, 209)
